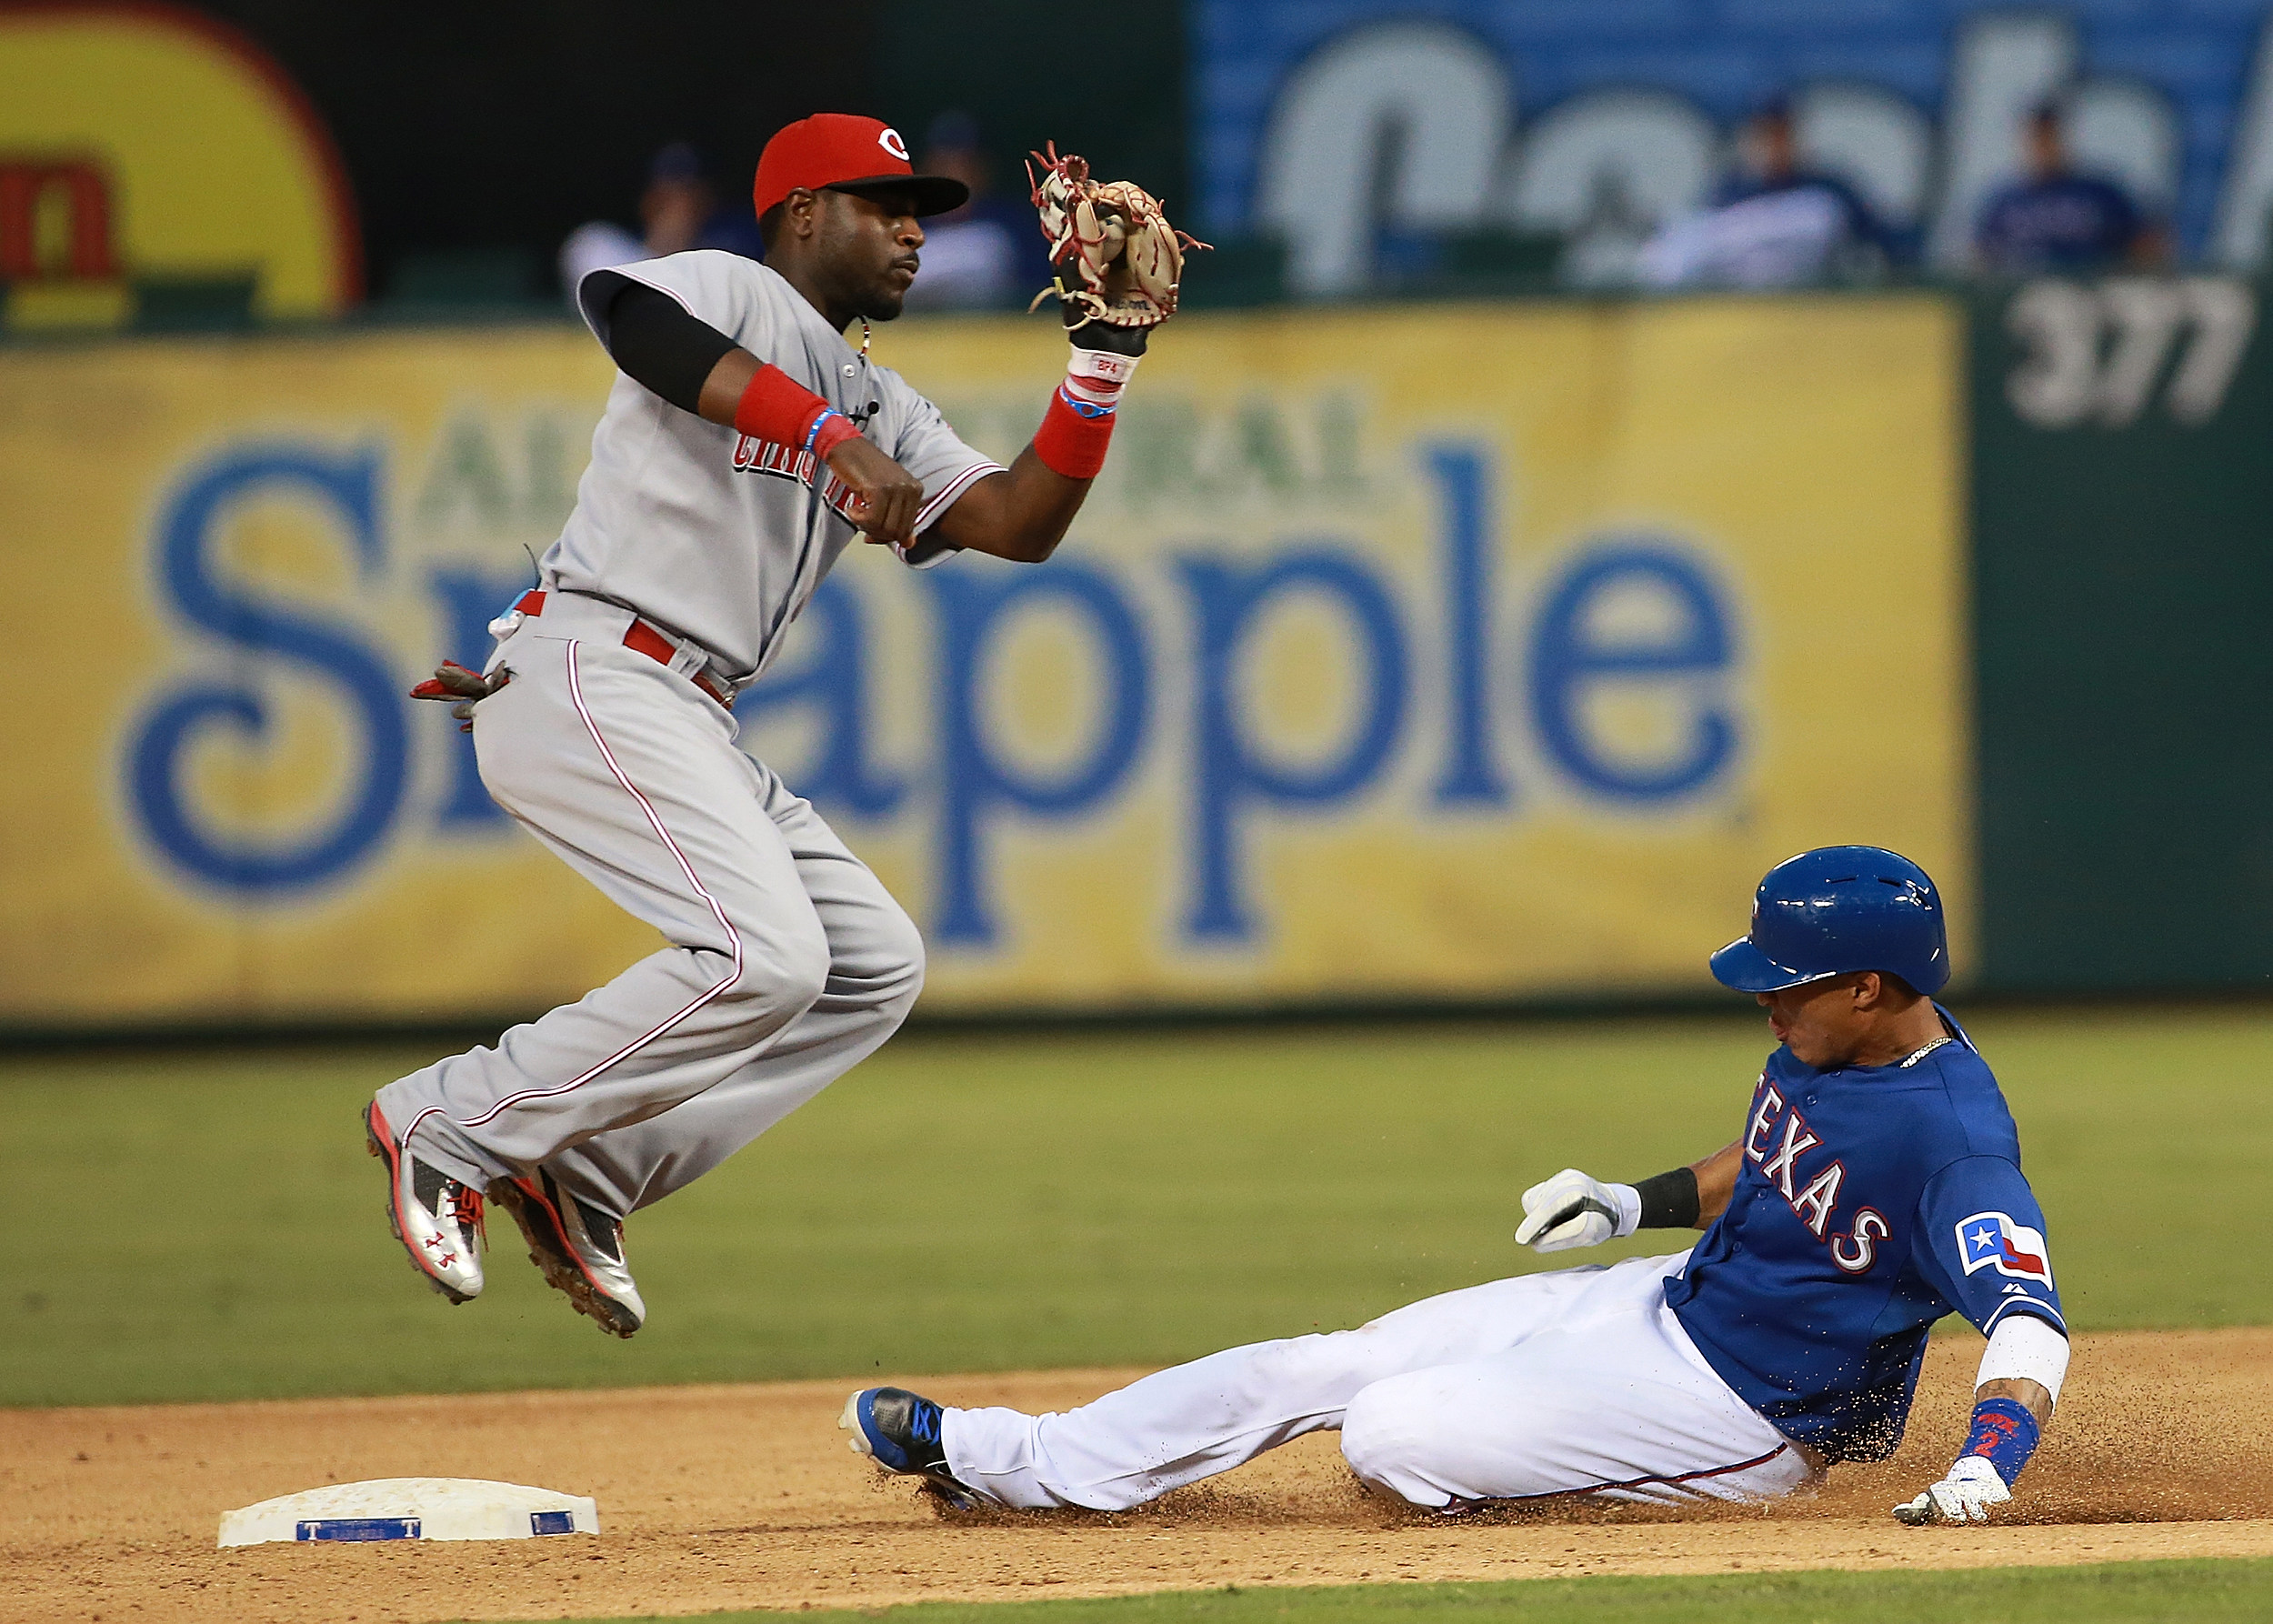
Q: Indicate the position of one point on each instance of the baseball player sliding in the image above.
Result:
(1875, 1187)
(745, 445)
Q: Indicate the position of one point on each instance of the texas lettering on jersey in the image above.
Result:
(1817, 1199)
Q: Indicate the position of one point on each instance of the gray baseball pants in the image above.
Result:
(788, 962)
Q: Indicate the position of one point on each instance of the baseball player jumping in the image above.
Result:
(745, 445)
(1876, 1187)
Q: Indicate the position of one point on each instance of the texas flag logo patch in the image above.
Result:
(1992, 1240)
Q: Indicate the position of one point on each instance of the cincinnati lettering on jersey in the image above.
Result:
(1817, 1199)
(786, 462)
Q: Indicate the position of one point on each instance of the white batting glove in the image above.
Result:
(1572, 1209)
(1966, 1495)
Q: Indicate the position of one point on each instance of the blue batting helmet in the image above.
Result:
(1838, 909)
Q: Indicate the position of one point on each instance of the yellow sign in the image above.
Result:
(1484, 653)
(145, 148)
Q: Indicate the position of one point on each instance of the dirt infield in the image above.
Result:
(725, 1497)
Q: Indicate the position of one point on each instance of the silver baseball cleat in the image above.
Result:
(437, 1219)
(579, 1249)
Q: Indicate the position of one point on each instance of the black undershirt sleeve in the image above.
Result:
(1670, 1201)
(658, 345)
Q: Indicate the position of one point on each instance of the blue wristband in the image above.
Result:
(2004, 1434)
(813, 433)
(1083, 407)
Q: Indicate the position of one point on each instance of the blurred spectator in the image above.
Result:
(1771, 223)
(1604, 250)
(678, 210)
(2058, 220)
(988, 255)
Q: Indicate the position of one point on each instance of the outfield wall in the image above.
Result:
(1477, 653)
(2122, 516)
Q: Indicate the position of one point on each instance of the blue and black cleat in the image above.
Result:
(899, 1430)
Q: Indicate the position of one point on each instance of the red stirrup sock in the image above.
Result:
(776, 407)
(1079, 424)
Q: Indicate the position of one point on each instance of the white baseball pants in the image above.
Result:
(1580, 1380)
(789, 962)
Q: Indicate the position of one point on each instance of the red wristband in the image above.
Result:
(774, 407)
(1072, 441)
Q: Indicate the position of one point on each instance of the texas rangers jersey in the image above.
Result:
(713, 535)
(1869, 1202)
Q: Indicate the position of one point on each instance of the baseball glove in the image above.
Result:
(1117, 260)
(461, 689)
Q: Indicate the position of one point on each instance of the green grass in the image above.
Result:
(2127, 1592)
(209, 1226)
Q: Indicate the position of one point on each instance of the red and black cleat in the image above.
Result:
(579, 1249)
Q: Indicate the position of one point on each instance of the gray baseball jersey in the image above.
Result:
(716, 536)
(786, 960)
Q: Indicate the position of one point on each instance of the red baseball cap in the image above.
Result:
(847, 153)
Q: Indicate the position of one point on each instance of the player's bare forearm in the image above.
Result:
(885, 498)
(1576, 1209)
(1021, 515)
(1996, 1449)
(723, 389)
(1717, 1181)
(2032, 1396)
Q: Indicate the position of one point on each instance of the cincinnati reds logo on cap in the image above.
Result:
(850, 153)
